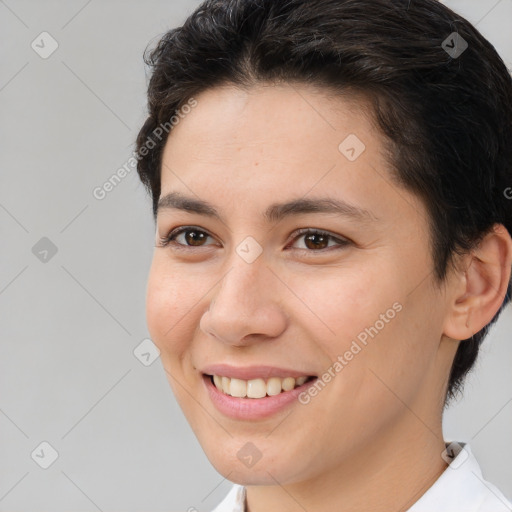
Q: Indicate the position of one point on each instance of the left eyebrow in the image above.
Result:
(278, 211)
(275, 212)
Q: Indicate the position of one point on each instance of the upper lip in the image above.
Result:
(252, 372)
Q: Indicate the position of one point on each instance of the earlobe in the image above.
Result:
(479, 291)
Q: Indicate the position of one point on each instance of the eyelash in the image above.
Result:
(170, 239)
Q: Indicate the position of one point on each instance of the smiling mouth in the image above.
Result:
(257, 388)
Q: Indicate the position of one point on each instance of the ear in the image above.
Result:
(480, 287)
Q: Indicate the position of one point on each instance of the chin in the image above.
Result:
(240, 461)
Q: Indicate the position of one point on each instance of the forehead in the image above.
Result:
(276, 142)
(307, 119)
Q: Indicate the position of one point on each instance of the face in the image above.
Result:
(284, 250)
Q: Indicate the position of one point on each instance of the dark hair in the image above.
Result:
(446, 117)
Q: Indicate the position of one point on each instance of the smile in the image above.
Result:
(254, 393)
(256, 388)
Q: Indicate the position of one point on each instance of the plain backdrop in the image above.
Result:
(73, 275)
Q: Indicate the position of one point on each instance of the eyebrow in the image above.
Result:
(275, 212)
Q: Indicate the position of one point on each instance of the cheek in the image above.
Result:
(170, 301)
(344, 303)
(369, 320)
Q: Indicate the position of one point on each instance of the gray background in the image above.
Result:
(68, 374)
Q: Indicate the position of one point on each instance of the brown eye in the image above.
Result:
(316, 241)
(195, 238)
(186, 237)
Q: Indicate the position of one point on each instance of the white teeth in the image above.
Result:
(217, 381)
(288, 383)
(256, 388)
(237, 387)
(273, 386)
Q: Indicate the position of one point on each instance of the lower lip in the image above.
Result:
(252, 408)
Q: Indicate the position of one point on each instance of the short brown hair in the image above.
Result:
(446, 118)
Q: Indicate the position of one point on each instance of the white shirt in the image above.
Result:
(460, 488)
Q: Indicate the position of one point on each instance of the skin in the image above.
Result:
(378, 421)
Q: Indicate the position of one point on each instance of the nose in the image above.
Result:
(244, 308)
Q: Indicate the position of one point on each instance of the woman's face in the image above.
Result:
(271, 282)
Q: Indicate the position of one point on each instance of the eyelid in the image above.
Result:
(166, 240)
(319, 231)
(341, 242)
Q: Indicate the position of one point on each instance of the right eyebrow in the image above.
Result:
(177, 201)
(275, 212)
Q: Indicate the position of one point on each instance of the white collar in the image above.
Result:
(460, 488)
